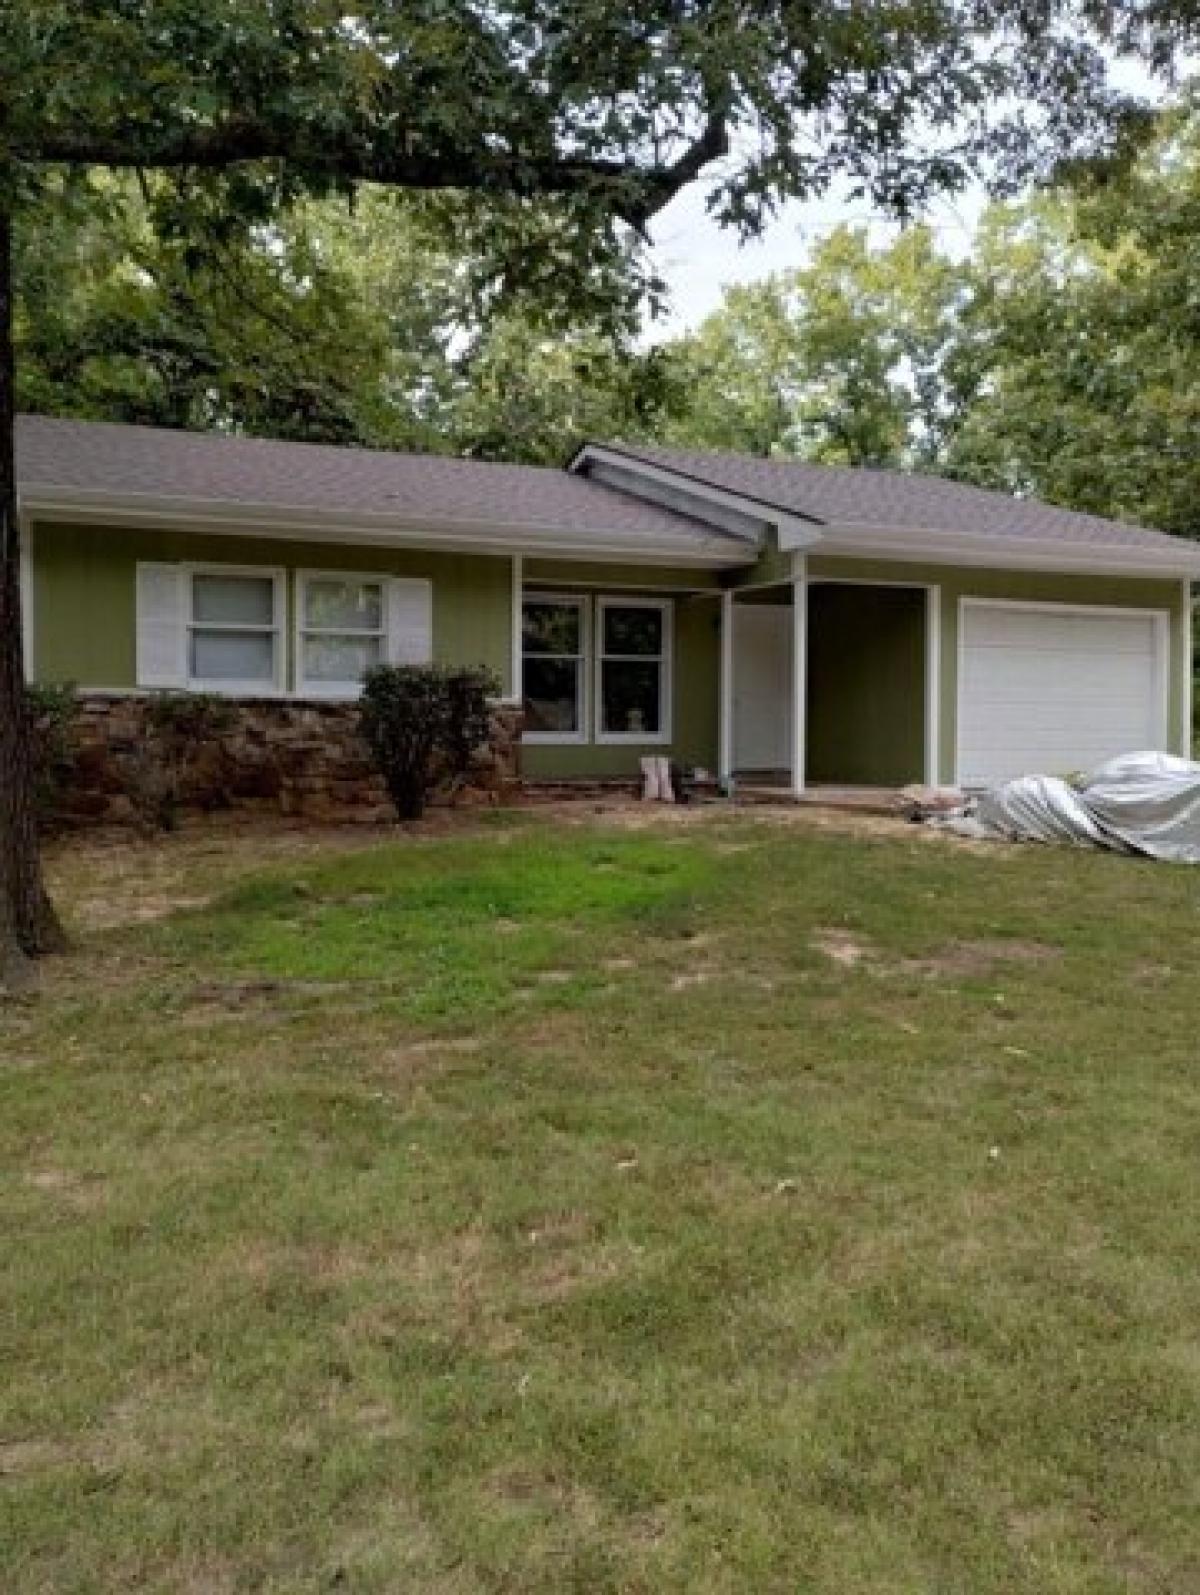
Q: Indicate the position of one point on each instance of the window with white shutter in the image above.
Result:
(341, 631)
(161, 637)
(409, 621)
(211, 628)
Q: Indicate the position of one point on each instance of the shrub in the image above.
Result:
(422, 722)
(52, 711)
(469, 724)
(179, 725)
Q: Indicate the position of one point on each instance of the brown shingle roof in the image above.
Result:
(391, 495)
(209, 471)
(897, 500)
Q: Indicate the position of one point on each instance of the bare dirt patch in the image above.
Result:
(979, 957)
(690, 978)
(326, 1265)
(215, 1000)
(414, 1064)
(22, 1457)
(842, 947)
(83, 1191)
(957, 958)
(435, 1046)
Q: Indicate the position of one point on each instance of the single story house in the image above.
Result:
(739, 614)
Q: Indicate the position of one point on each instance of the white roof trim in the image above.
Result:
(801, 531)
(877, 541)
(1026, 553)
(384, 530)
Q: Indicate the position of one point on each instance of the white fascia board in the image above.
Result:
(801, 533)
(1049, 554)
(380, 531)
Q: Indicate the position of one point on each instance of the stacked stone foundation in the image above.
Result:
(296, 758)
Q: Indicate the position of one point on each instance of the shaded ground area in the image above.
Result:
(629, 1201)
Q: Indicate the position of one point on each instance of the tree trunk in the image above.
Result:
(28, 923)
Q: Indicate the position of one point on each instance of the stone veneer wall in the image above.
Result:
(292, 757)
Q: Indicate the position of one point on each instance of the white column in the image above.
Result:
(1186, 648)
(933, 684)
(799, 669)
(516, 691)
(725, 714)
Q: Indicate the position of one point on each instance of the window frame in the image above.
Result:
(582, 605)
(231, 687)
(345, 692)
(647, 739)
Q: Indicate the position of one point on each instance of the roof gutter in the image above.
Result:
(1049, 554)
(98, 507)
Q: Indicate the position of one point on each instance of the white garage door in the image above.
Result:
(1050, 689)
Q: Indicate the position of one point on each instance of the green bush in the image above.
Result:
(469, 723)
(178, 726)
(52, 710)
(423, 724)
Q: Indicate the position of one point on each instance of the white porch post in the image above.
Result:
(799, 669)
(725, 715)
(516, 689)
(933, 684)
(1186, 685)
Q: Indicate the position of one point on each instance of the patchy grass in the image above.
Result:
(556, 1206)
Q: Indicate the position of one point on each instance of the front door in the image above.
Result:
(762, 686)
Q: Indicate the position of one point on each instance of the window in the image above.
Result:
(342, 632)
(553, 649)
(233, 630)
(220, 628)
(633, 670)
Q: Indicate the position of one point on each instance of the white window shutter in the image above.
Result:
(409, 621)
(161, 626)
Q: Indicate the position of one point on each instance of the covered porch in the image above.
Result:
(829, 688)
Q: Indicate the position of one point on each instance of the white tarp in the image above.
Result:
(1147, 803)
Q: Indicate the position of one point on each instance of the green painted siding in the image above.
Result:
(866, 685)
(566, 574)
(84, 597)
(85, 631)
(695, 675)
(772, 565)
(958, 582)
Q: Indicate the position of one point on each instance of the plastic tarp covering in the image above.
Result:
(1147, 803)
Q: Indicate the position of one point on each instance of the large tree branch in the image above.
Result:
(640, 191)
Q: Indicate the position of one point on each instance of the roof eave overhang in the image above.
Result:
(801, 531)
(375, 531)
(1049, 554)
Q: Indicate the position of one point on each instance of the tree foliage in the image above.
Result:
(1060, 357)
(1085, 331)
(841, 360)
(337, 323)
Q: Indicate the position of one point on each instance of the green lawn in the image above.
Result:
(721, 1205)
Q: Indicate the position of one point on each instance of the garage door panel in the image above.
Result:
(1043, 700)
(994, 627)
(1101, 680)
(1055, 690)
